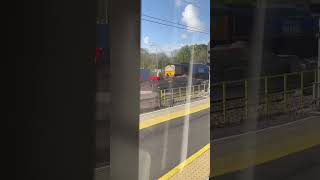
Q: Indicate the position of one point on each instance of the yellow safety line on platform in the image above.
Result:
(272, 151)
(185, 163)
(174, 115)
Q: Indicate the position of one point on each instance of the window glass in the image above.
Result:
(174, 89)
(265, 89)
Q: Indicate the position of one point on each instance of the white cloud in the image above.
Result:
(146, 40)
(190, 17)
(184, 36)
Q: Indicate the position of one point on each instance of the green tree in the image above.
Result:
(153, 60)
(163, 60)
(183, 55)
(197, 53)
(146, 59)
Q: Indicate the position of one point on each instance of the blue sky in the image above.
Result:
(189, 14)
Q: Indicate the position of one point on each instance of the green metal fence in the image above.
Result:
(262, 97)
(173, 96)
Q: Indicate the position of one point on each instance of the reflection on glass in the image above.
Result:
(264, 56)
(174, 88)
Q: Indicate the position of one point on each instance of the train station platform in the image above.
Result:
(174, 142)
(169, 150)
(252, 149)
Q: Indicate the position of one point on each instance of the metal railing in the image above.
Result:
(263, 97)
(172, 96)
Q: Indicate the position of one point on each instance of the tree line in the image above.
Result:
(197, 53)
